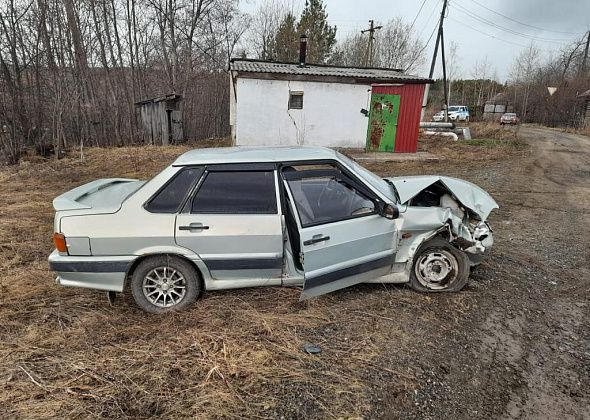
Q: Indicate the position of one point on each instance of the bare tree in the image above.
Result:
(453, 69)
(523, 72)
(396, 46)
(264, 26)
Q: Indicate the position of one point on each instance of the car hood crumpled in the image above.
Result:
(469, 195)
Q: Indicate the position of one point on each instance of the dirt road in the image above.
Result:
(522, 350)
(514, 344)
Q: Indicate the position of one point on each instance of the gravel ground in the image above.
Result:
(521, 347)
(514, 344)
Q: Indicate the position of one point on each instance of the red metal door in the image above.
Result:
(408, 121)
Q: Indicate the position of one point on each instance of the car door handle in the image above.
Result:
(316, 239)
(193, 227)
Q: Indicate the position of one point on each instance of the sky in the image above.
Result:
(476, 26)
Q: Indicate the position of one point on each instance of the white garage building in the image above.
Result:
(273, 103)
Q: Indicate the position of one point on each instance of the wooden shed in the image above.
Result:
(161, 119)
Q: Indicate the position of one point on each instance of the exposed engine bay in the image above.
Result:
(455, 208)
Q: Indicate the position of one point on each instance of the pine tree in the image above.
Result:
(285, 45)
(321, 37)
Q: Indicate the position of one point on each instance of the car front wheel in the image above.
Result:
(165, 283)
(439, 267)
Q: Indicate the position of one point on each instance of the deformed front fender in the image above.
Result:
(420, 224)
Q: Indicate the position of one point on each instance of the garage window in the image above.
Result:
(237, 192)
(295, 100)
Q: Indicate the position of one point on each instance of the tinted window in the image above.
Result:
(237, 192)
(328, 198)
(169, 198)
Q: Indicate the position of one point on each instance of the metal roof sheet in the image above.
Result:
(256, 66)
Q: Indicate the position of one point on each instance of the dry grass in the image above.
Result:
(235, 354)
(493, 130)
(65, 352)
(491, 142)
(584, 131)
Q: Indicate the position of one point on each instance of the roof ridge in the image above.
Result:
(309, 65)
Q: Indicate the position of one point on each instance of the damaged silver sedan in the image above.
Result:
(286, 216)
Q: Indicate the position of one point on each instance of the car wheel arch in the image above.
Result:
(443, 232)
(144, 257)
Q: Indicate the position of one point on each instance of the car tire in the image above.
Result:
(439, 267)
(165, 283)
(466, 119)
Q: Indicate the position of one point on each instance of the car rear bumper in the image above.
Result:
(101, 273)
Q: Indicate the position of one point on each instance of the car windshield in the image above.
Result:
(510, 115)
(454, 108)
(375, 181)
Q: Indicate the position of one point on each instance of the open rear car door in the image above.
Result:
(343, 239)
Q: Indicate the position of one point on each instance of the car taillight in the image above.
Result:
(60, 242)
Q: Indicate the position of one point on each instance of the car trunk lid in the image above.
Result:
(100, 196)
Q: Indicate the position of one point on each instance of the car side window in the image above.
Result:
(169, 198)
(325, 197)
(237, 192)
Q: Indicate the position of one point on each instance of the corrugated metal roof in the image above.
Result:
(256, 66)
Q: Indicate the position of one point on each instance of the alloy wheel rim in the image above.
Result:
(164, 287)
(436, 269)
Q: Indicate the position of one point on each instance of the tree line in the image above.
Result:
(72, 71)
(526, 89)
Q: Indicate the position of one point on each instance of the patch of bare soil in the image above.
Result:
(513, 344)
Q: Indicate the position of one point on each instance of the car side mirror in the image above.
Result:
(390, 211)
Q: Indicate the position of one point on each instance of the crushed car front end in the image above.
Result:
(454, 208)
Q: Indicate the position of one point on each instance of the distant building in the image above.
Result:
(496, 106)
(273, 103)
(161, 119)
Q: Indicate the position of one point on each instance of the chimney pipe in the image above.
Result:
(302, 50)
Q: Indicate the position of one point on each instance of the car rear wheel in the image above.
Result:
(439, 267)
(165, 283)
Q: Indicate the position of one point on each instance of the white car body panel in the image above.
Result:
(108, 229)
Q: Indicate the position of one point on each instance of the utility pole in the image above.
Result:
(444, 69)
(439, 39)
(585, 59)
(369, 55)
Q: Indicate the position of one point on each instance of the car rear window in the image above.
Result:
(171, 196)
(237, 192)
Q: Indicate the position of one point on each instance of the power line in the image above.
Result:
(424, 47)
(417, 14)
(429, 17)
(508, 30)
(485, 33)
(522, 23)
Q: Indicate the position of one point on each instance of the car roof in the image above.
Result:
(244, 154)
